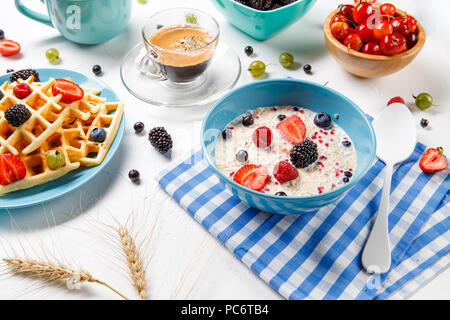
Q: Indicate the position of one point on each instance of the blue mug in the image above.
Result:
(83, 21)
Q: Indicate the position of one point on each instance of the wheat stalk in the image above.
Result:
(134, 261)
(53, 272)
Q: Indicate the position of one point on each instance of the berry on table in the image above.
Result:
(247, 120)
(248, 50)
(281, 194)
(423, 100)
(98, 134)
(227, 134)
(97, 70)
(138, 127)
(257, 68)
(396, 99)
(242, 156)
(52, 55)
(433, 160)
(304, 154)
(322, 120)
(22, 90)
(55, 159)
(24, 75)
(9, 47)
(307, 68)
(134, 175)
(284, 172)
(17, 115)
(424, 123)
(286, 59)
(160, 139)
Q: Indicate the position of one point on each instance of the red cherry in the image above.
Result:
(382, 29)
(411, 40)
(400, 25)
(364, 32)
(393, 44)
(340, 30)
(338, 18)
(22, 90)
(412, 23)
(388, 9)
(353, 41)
(372, 48)
(347, 10)
(362, 12)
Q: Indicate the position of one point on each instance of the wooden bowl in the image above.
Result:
(367, 65)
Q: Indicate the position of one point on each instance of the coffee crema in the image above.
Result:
(182, 52)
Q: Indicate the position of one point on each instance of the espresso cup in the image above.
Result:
(176, 65)
(83, 21)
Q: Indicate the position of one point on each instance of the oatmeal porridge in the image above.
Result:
(286, 151)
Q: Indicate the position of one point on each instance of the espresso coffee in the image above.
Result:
(182, 53)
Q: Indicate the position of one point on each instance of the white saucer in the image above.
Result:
(221, 76)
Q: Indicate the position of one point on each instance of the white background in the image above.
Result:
(74, 228)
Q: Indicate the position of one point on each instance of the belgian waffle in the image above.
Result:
(54, 125)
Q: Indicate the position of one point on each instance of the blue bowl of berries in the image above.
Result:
(312, 124)
(261, 19)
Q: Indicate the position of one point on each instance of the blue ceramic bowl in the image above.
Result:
(313, 96)
(259, 24)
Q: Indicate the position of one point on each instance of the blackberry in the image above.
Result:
(160, 139)
(17, 114)
(260, 4)
(304, 154)
(24, 74)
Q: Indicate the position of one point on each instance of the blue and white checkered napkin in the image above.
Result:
(317, 255)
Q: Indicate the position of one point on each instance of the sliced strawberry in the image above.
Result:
(284, 172)
(252, 176)
(70, 91)
(9, 47)
(11, 169)
(397, 99)
(433, 161)
(292, 129)
(262, 137)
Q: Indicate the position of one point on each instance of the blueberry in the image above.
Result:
(345, 179)
(307, 68)
(322, 120)
(348, 174)
(226, 134)
(281, 194)
(2, 34)
(281, 117)
(242, 156)
(346, 143)
(134, 175)
(248, 50)
(138, 127)
(247, 120)
(97, 70)
(98, 135)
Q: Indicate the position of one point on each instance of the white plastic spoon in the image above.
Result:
(395, 132)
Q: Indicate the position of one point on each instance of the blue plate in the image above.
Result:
(76, 178)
